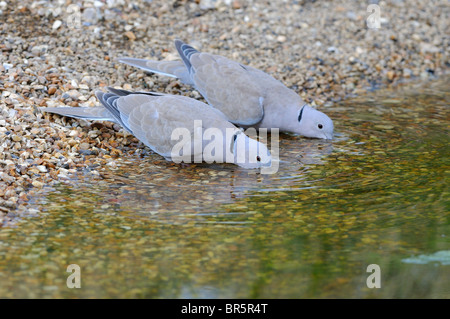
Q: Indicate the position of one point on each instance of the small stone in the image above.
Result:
(16, 138)
(74, 94)
(39, 49)
(84, 146)
(351, 15)
(42, 168)
(73, 133)
(390, 75)
(206, 4)
(130, 35)
(37, 184)
(62, 176)
(56, 24)
(7, 66)
(74, 84)
(281, 38)
(428, 48)
(332, 49)
(236, 5)
(72, 142)
(51, 90)
(407, 73)
(89, 16)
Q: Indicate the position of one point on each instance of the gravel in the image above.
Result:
(57, 53)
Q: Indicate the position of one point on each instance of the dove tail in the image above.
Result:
(85, 113)
(175, 69)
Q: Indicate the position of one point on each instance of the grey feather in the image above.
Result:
(108, 99)
(143, 64)
(87, 113)
(176, 69)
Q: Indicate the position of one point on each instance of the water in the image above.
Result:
(377, 194)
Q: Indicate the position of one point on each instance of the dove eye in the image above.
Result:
(258, 158)
(320, 126)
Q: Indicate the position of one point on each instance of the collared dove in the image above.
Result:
(247, 96)
(159, 120)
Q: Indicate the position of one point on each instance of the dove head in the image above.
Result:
(313, 123)
(249, 153)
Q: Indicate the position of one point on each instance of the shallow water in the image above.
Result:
(377, 194)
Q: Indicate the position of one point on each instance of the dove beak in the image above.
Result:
(328, 136)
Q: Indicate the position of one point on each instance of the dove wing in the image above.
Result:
(225, 84)
(153, 119)
(229, 87)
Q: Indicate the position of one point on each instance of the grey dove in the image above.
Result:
(247, 96)
(159, 120)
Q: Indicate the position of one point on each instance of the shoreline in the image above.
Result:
(50, 62)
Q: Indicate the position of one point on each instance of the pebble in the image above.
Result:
(37, 184)
(236, 4)
(89, 16)
(51, 90)
(390, 75)
(16, 138)
(41, 168)
(84, 146)
(130, 35)
(407, 73)
(56, 24)
(281, 38)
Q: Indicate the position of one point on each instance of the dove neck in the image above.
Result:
(281, 109)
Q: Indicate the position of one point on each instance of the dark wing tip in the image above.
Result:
(122, 92)
(185, 51)
(178, 43)
(119, 92)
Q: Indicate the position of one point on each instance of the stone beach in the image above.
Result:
(58, 53)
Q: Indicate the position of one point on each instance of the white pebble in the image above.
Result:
(42, 168)
(7, 66)
(56, 24)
